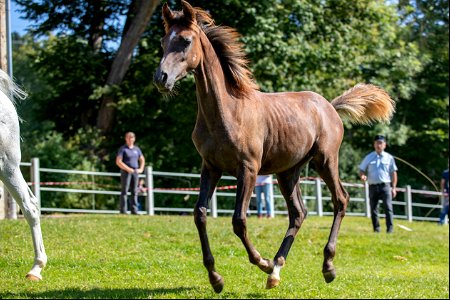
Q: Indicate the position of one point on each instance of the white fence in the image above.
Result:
(319, 203)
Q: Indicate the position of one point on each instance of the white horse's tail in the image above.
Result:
(9, 88)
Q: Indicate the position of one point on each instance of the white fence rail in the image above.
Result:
(316, 199)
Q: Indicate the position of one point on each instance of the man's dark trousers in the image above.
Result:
(382, 192)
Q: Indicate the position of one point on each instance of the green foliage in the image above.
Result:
(426, 111)
(123, 257)
(76, 18)
(73, 72)
(75, 153)
(324, 46)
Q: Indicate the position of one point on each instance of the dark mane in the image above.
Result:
(229, 50)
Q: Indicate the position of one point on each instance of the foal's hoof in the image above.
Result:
(218, 285)
(329, 275)
(33, 277)
(272, 282)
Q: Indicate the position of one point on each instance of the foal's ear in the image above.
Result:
(188, 10)
(167, 16)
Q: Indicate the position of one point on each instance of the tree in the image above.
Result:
(324, 46)
(427, 109)
(138, 17)
(87, 20)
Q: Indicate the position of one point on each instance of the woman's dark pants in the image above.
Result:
(129, 182)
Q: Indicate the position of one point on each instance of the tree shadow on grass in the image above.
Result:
(99, 293)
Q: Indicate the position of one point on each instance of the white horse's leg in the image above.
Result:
(10, 173)
(17, 186)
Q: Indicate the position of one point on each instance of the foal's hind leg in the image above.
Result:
(328, 170)
(16, 185)
(297, 211)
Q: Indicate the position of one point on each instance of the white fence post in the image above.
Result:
(367, 199)
(408, 201)
(318, 190)
(36, 180)
(214, 205)
(149, 200)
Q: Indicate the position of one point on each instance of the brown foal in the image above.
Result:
(244, 132)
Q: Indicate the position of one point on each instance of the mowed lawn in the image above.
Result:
(115, 256)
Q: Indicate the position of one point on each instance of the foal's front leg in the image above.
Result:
(245, 186)
(208, 182)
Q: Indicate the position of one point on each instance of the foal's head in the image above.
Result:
(181, 46)
(183, 50)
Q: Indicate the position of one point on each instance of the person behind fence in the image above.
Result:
(444, 189)
(378, 168)
(142, 190)
(131, 162)
(263, 187)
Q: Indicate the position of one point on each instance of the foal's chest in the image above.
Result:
(218, 149)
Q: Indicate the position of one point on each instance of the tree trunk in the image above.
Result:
(96, 28)
(122, 61)
(3, 37)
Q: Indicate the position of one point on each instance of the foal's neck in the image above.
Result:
(214, 101)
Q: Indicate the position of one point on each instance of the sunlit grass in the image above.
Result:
(103, 256)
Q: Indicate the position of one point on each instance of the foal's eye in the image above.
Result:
(186, 41)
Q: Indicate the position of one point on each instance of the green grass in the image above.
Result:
(103, 256)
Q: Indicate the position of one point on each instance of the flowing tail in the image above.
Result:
(365, 104)
(9, 88)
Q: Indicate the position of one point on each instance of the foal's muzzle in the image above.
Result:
(160, 79)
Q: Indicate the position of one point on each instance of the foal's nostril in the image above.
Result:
(163, 77)
(160, 77)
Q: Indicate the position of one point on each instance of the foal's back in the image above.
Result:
(298, 125)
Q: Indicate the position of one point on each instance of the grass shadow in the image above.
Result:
(99, 293)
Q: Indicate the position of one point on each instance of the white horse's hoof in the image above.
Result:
(34, 277)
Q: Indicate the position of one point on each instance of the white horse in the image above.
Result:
(10, 173)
